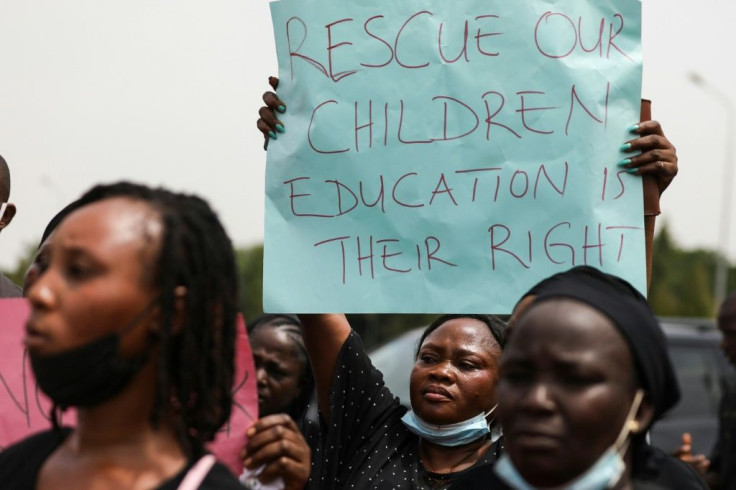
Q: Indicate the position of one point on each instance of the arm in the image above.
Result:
(324, 336)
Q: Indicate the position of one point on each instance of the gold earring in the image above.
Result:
(634, 426)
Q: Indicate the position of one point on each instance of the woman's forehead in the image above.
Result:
(461, 333)
(569, 323)
(113, 220)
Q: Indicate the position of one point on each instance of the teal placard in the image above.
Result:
(445, 156)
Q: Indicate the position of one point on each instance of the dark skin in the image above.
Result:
(7, 216)
(454, 378)
(727, 326)
(459, 359)
(278, 369)
(99, 256)
(455, 373)
(567, 388)
(275, 441)
(9, 213)
(39, 264)
(114, 445)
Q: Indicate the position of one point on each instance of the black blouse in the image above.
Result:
(365, 445)
(21, 463)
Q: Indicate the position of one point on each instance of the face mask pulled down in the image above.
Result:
(604, 473)
(91, 373)
(457, 434)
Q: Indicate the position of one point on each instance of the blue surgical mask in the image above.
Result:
(457, 434)
(603, 474)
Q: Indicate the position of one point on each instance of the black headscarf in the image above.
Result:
(632, 317)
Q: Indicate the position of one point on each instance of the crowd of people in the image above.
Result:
(133, 295)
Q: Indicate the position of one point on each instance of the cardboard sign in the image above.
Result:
(24, 408)
(446, 156)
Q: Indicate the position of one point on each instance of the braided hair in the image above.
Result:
(291, 326)
(195, 368)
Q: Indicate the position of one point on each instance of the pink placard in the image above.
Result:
(24, 408)
(231, 439)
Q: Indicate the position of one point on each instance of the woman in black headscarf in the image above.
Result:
(585, 373)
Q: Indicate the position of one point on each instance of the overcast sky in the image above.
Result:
(166, 92)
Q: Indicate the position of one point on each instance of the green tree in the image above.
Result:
(250, 272)
(681, 279)
(18, 273)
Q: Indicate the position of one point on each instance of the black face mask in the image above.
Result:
(89, 374)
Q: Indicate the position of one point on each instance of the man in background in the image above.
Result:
(7, 211)
(720, 470)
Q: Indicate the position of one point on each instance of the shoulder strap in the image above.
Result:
(197, 473)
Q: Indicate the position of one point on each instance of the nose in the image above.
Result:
(39, 290)
(442, 371)
(538, 398)
(261, 377)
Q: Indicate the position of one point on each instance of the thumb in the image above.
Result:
(687, 439)
(687, 442)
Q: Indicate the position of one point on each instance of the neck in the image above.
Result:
(446, 459)
(124, 421)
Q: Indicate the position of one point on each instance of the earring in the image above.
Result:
(634, 426)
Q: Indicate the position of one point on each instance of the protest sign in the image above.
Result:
(24, 409)
(445, 156)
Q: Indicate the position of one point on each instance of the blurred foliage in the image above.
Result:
(682, 280)
(682, 285)
(250, 272)
(19, 271)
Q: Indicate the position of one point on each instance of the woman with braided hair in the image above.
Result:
(132, 323)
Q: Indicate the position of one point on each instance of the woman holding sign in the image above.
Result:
(139, 341)
(370, 439)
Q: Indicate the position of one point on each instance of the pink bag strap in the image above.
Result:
(197, 473)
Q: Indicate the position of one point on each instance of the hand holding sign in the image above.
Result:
(440, 158)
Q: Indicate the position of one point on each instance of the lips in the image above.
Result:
(35, 338)
(535, 439)
(436, 393)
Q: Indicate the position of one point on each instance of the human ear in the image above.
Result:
(643, 417)
(7, 217)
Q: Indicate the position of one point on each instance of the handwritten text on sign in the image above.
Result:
(445, 156)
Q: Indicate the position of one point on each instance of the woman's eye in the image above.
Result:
(426, 358)
(41, 263)
(516, 376)
(276, 374)
(78, 271)
(579, 380)
(467, 365)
